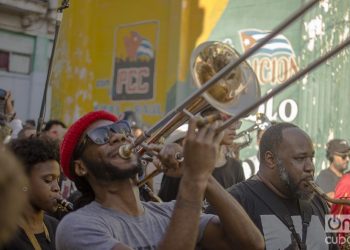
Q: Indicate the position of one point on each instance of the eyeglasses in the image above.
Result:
(343, 156)
(102, 135)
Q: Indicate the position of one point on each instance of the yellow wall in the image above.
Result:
(92, 35)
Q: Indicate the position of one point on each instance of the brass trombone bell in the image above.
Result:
(235, 90)
(230, 95)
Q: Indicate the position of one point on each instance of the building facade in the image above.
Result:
(26, 34)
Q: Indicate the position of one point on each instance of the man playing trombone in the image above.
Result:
(114, 217)
(280, 198)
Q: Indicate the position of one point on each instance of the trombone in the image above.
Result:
(232, 89)
(236, 89)
(323, 195)
(194, 102)
(244, 138)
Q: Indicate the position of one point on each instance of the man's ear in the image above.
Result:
(79, 168)
(270, 159)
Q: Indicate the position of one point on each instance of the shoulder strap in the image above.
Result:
(33, 240)
(274, 204)
(306, 211)
(280, 210)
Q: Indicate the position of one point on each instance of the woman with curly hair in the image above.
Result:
(40, 157)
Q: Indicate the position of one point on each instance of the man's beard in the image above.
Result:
(293, 187)
(340, 167)
(107, 172)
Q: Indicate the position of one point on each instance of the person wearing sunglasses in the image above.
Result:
(342, 191)
(337, 153)
(112, 216)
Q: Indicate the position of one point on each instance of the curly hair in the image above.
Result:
(35, 150)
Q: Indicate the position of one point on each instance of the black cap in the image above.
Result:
(338, 146)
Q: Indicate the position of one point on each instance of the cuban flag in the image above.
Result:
(138, 46)
(277, 45)
(145, 49)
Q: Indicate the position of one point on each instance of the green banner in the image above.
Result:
(317, 103)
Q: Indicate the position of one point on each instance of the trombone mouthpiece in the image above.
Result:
(316, 188)
(125, 151)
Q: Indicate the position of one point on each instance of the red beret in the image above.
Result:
(74, 133)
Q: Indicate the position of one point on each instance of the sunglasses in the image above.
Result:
(102, 135)
(343, 156)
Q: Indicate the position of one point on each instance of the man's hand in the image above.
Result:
(201, 149)
(171, 156)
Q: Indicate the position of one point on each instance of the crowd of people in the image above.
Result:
(207, 203)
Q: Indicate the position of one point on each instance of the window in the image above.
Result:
(15, 62)
(4, 60)
(19, 63)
